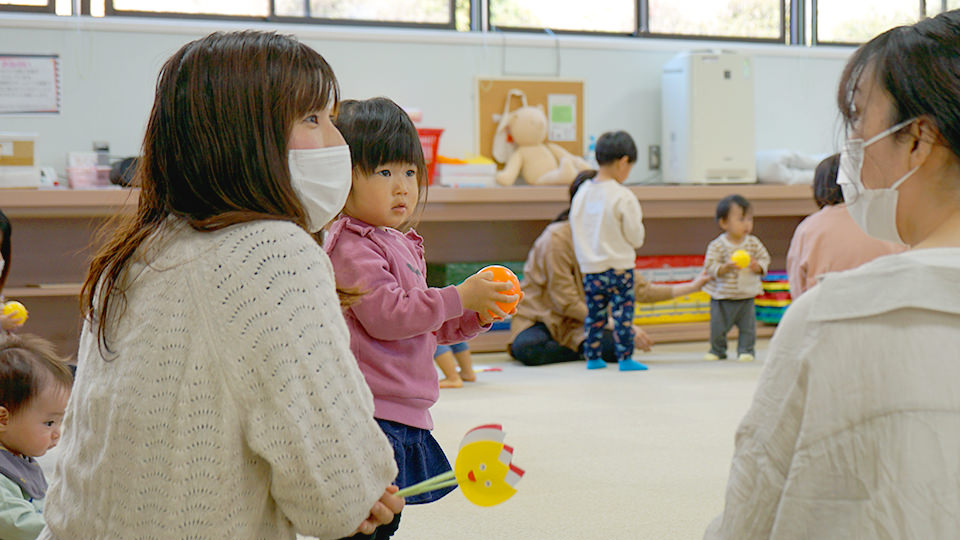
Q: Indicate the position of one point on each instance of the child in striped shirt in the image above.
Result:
(734, 287)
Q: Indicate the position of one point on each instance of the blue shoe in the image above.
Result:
(632, 365)
(596, 364)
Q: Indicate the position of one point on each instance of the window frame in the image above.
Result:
(815, 25)
(51, 8)
(111, 11)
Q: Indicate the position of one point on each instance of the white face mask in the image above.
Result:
(874, 210)
(321, 178)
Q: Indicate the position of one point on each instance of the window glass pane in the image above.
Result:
(23, 2)
(615, 16)
(856, 21)
(724, 18)
(409, 11)
(254, 8)
(935, 7)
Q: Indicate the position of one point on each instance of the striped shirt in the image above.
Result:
(734, 285)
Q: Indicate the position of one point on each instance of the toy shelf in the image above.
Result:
(54, 232)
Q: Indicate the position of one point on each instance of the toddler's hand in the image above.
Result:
(726, 268)
(756, 268)
(480, 293)
(7, 322)
(382, 512)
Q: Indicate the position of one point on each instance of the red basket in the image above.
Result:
(430, 140)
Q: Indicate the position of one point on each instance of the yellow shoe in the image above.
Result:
(710, 357)
(745, 358)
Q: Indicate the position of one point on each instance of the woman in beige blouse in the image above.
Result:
(548, 325)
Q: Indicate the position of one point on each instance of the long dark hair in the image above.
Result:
(826, 191)
(215, 149)
(918, 66)
(5, 229)
(378, 132)
(581, 177)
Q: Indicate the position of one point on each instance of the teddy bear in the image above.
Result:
(538, 162)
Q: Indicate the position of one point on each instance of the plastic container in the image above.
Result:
(430, 140)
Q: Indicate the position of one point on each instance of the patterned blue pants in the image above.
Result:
(613, 289)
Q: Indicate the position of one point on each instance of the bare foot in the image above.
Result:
(451, 383)
(468, 375)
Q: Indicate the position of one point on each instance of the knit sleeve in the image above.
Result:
(631, 219)
(389, 311)
(304, 407)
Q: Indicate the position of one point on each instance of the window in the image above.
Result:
(608, 16)
(395, 11)
(35, 6)
(858, 21)
(751, 19)
(425, 12)
(935, 7)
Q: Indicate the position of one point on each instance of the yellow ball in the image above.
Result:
(16, 310)
(740, 258)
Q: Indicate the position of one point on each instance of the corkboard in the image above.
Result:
(491, 94)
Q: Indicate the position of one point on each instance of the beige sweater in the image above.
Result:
(553, 288)
(230, 406)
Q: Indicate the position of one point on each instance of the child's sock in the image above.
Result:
(631, 365)
(596, 363)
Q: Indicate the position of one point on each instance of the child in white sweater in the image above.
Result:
(607, 225)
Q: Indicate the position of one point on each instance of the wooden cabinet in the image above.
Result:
(54, 237)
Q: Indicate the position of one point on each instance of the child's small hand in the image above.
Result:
(755, 267)
(480, 293)
(382, 512)
(726, 268)
(7, 322)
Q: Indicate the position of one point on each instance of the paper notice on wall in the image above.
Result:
(562, 116)
(29, 84)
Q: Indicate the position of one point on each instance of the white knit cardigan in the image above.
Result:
(229, 404)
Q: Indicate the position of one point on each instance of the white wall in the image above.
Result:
(109, 68)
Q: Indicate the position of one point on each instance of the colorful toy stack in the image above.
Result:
(775, 298)
(669, 269)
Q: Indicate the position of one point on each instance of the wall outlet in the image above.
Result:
(653, 157)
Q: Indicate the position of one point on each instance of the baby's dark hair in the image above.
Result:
(726, 203)
(28, 364)
(826, 191)
(613, 145)
(378, 132)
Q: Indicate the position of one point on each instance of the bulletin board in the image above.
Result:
(491, 94)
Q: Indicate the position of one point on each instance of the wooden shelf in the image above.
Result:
(59, 289)
(518, 203)
(53, 229)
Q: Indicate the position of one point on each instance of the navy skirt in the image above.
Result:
(418, 456)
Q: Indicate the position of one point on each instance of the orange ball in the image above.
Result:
(502, 273)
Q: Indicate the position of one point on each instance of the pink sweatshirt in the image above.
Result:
(830, 241)
(397, 323)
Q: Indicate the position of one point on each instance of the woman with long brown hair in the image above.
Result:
(216, 395)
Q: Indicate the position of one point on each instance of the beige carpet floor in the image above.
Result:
(608, 455)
